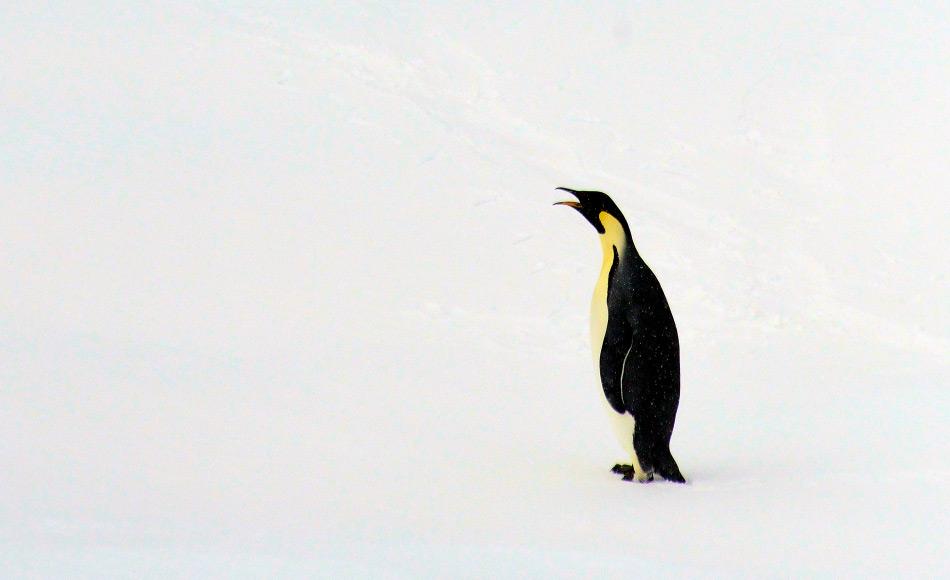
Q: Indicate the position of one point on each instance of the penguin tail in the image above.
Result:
(666, 467)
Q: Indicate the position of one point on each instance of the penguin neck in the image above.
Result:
(616, 235)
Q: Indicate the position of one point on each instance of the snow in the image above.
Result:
(284, 293)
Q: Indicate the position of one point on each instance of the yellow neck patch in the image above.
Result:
(613, 237)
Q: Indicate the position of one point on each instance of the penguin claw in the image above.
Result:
(633, 477)
(630, 474)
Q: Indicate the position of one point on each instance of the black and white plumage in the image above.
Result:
(635, 344)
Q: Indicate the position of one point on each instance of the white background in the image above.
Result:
(283, 291)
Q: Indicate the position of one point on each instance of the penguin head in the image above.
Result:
(591, 204)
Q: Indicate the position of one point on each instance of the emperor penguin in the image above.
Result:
(635, 345)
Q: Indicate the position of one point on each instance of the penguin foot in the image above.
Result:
(630, 474)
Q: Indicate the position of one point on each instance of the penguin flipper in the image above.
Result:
(613, 355)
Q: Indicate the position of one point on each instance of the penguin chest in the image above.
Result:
(598, 317)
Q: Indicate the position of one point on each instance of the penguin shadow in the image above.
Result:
(716, 477)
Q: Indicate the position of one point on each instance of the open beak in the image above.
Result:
(573, 204)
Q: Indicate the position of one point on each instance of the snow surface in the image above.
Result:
(284, 293)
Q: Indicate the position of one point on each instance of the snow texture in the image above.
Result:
(284, 293)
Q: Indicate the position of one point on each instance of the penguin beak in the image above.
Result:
(573, 204)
